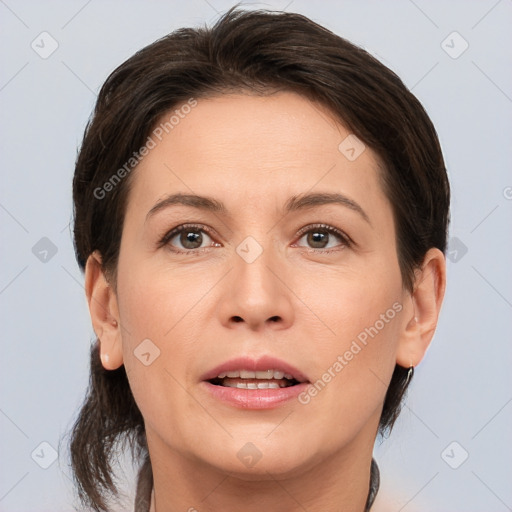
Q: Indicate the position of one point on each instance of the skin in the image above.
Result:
(253, 153)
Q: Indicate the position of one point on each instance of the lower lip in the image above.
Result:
(254, 398)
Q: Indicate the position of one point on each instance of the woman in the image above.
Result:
(261, 212)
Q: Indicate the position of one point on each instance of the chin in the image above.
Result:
(254, 458)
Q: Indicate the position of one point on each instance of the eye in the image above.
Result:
(188, 238)
(319, 237)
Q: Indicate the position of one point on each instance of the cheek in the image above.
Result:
(152, 300)
(352, 305)
(167, 306)
(353, 362)
(155, 310)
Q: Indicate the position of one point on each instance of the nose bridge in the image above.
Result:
(255, 293)
(253, 263)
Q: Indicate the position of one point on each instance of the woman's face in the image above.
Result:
(259, 281)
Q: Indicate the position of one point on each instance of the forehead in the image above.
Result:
(254, 150)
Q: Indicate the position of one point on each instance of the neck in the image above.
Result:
(340, 481)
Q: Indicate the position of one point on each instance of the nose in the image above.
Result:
(256, 294)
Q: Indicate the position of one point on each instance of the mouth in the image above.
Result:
(266, 372)
(248, 383)
(248, 379)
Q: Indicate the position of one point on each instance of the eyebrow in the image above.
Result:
(295, 203)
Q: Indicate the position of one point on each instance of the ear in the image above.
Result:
(104, 313)
(423, 310)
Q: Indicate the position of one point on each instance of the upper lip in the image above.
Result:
(260, 364)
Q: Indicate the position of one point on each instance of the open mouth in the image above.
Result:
(247, 379)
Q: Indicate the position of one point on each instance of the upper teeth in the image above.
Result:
(247, 374)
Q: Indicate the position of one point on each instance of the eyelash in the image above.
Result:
(346, 240)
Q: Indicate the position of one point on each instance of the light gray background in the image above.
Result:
(461, 391)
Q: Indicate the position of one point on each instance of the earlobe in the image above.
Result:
(104, 313)
(423, 311)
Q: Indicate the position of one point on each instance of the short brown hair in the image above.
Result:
(260, 52)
